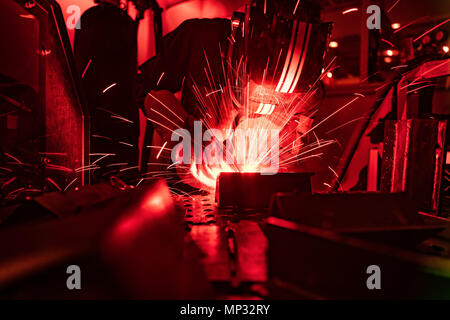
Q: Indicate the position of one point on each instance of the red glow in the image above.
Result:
(333, 44)
(152, 207)
(390, 52)
(246, 158)
(293, 67)
(428, 31)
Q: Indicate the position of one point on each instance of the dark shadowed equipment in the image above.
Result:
(413, 160)
(131, 243)
(254, 190)
(325, 264)
(47, 124)
(390, 218)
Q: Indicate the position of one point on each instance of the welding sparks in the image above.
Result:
(213, 92)
(388, 42)
(9, 195)
(331, 115)
(399, 66)
(163, 126)
(109, 87)
(121, 118)
(160, 78)
(54, 183)
(101, 137)
(350, 10)
(344, 124)
(164, 117)
(410, 23)
(129, 168)
(296, 6)
(424, 73)
(86, 168)
(86, 68)
(103, 156)
(162, 148)
(117, 164)
(126, 144)
(71, 183)
(428, 31)
(417, 89)
(392, 7)
(217, 103)
(165, 106)
(8, 182)
(12, 157)
(139, 182)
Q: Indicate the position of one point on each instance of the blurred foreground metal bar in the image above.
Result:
(137, 236)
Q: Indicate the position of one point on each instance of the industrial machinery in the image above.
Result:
(361, 184)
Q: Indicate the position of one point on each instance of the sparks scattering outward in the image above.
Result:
(228, 107)
(103, 156)
(126, 144)
(70, 184)
(265, 110)
(160, 78)
(162, 148)
(86, 168)
(121, 118)
(296, 7)
(129, 168)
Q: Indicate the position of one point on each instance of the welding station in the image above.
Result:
(224, 150)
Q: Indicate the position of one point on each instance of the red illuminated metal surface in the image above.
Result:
(325, 263)
(233, 249)
(411, 163)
